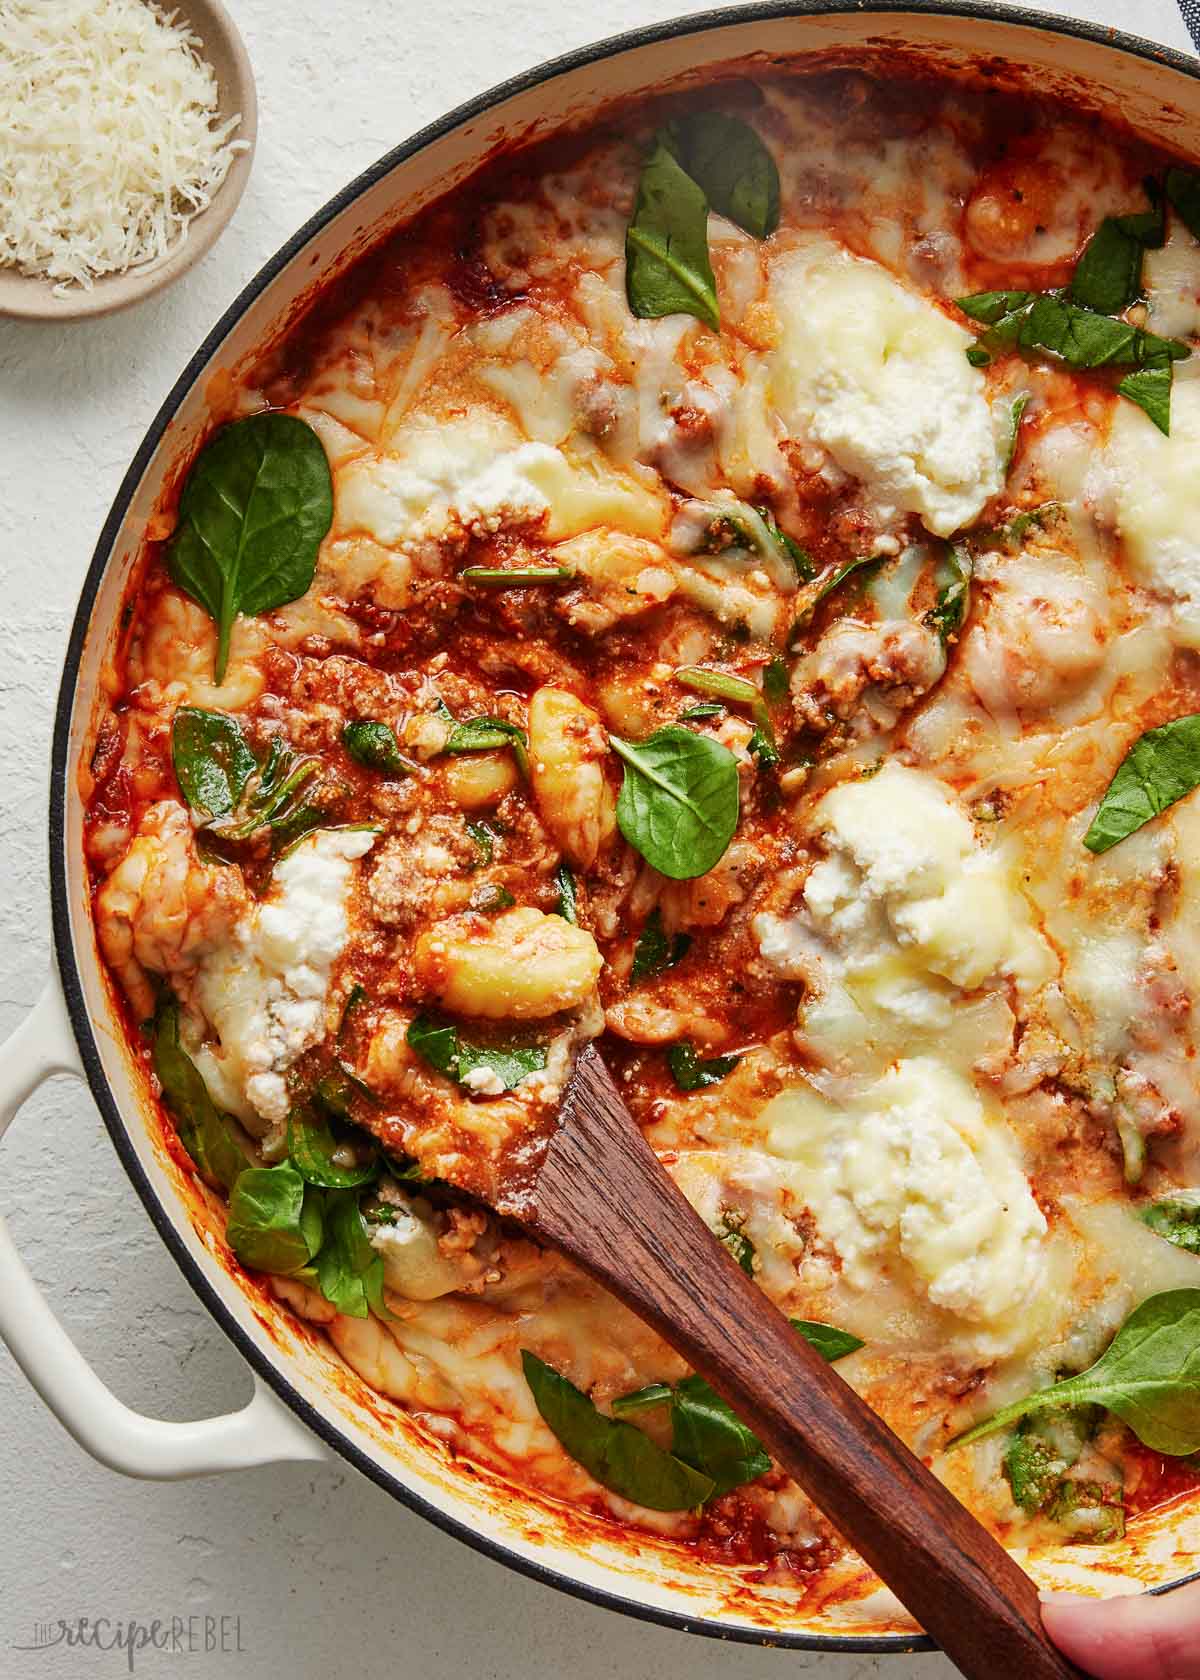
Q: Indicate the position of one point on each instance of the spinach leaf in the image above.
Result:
(1162, 766)
(1079, 337)
(952, 579)
(349, 1271)
(654, 953)
(800, 558)
(510, 577)
(775, 682)
(336, 1089)
(728, 161)
(212, 760)
(706, 1431)
(488, 734)
(1089, 1511)
(762, 746)
(678, 804)
(484, 837)
(832, 1344)
(313, 1151)
(1149, 1376)
(1150, 389)
(617, 1455)
(203, 1131)
(373, 744)
(708, 1434)
(275, 1221)
(256, 505)
(1041, 1449)
(667, 267)
(1108, 276)
(702, 680)
(813, 597)
(1183, 190)
(707, 709)
(355, 999)
(692, 1074)
(730, 1234)
(1014, 428)
(444, 1048)
(1177, 1218)
(568, 895)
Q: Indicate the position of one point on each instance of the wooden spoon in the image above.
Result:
(601, 1197)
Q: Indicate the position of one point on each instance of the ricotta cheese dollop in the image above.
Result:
(879, 378)
(264, 992)
(905, 910)
(914, 1177)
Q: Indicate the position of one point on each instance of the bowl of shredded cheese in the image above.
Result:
(126, 134)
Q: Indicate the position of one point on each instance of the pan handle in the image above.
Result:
(263, 1432)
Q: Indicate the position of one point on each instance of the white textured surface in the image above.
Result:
(324, 1570)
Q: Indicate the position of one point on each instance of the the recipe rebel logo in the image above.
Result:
(178, 1636)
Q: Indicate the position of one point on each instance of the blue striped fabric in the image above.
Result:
(1191, 16)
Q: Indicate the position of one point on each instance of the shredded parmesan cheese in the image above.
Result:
(109, 138)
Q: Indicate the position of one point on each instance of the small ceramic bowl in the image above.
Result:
(34, 299)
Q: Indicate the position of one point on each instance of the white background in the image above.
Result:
(327, 1574)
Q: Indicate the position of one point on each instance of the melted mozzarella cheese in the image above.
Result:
(878, 377)
(915, 1174)
(1157, 502)
(264, 991)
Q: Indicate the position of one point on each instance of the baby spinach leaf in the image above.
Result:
(775, 682)
(1014, 427)
(1079, 337)
(484, 837)
(1162, 766)
(336, 1089)
(800, 558)
(654, 1394)
(1041, 1449)
(568, 895)
(654, 953)
(355, 999)
(1177, 1218)
(708, 1434)
(444, 1048)
(832, 1344)
(275, 1219)
(952, 579)
(373, 744)
(349, 1271)
(510, 577)
(255, 507)
(490, 897)
(618, 1456)
(678, 804)
(489, 734)
(692, 1074)
(728, 161)
(1149, 1376)
(667, 267)
(707, 709)
(812, 598)
(1108, 276)
(738, 690)
(762, 746)
(313, 1151)
(1089, 1511)
(212, 760)
(202, 1129)
(1183, 190)
(730, 1234)
(1150, 389)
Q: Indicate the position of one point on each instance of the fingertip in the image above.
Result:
(1128, 1638)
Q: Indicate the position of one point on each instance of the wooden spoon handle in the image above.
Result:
(602, 1197)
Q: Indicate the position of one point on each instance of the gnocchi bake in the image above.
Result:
(724, 584)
